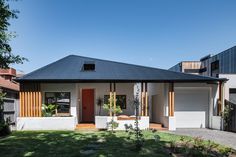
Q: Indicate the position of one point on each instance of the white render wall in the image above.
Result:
(231, 83)
(62, 87)
(102, 89)
(101, 122)
(46, 123)
(158, 103)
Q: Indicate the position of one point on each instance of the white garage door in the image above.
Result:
(191, 108)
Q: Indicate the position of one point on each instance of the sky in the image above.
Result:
(156, 33)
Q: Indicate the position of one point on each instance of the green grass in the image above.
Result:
(70, 144)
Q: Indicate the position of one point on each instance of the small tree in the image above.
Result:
(113, 110)
(136, 131)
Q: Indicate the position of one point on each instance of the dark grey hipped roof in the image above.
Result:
(69, 69)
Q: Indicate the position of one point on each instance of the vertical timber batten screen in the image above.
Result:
(171, 100)
(30, 100)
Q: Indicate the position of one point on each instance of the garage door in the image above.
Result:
(191, 108)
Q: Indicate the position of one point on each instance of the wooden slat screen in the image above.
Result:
(30, 100)
(144, 99)
(171, 99)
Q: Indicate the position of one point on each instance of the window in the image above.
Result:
(215, 68)
(191, 70)
(62, 99)
(232, 95)
(121, 100)
(89, 66)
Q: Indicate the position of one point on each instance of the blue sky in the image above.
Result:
(157, 33)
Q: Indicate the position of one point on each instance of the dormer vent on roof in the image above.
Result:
(89, 66)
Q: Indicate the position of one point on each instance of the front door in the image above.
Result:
(88, 105)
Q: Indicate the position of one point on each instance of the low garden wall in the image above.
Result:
(101, 122)
(46, 123)
(217, 123)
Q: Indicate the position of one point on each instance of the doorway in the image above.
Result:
(87, 105)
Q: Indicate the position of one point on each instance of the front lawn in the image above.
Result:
(69, 143)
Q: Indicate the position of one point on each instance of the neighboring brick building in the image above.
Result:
(11, 88)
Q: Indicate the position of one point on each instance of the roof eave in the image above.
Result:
(120, 80)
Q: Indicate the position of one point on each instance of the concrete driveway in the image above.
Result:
(220, 137)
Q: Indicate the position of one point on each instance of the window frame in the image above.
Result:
(59, 114)
(215, 67)
(108, 96)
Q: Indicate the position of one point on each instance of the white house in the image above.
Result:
(76, 84)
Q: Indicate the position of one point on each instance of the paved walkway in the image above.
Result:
(221, 137)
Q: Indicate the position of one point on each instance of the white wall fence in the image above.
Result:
(46, 123)
(102, 121)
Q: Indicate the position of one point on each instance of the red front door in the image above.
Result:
(88, 105)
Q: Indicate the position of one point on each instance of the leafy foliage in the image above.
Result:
(226, 114)
(112, 125)
(6, 55)
(111, 109)
(197, 147)
(49, 110)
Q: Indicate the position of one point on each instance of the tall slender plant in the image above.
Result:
(113, 110)
(99, 103)
(136, 131)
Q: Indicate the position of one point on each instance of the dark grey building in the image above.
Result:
(210, 65)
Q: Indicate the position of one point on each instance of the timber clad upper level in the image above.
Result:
(68, 69)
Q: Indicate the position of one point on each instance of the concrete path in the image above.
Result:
(220, 137)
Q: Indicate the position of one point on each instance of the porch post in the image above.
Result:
(142, 99)
(114, 98)
(171, 101)
(110, 100)
(146, 100)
